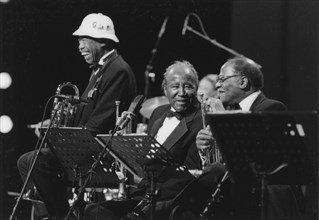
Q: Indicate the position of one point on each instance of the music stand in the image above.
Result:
(136, 150)
(76, 150)
(262, 147)
(143, 156)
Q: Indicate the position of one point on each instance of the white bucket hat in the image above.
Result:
(97, 25)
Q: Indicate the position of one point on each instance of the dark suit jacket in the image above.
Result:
(179, 142)
(115, 81)
(183, 137)
(261, 103)
(281, 202)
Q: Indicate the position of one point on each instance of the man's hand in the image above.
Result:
(204, 139)
(38, 126)
(214, 105)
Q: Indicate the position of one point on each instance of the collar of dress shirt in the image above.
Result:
(103, 58)
(246, 103)
(101, 62)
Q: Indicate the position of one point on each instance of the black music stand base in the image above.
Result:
(150, 171)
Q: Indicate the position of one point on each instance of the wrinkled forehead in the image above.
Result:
(181, 71)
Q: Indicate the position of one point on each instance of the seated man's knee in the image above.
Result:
(24, 160)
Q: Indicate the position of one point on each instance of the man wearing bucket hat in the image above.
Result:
(111, 80)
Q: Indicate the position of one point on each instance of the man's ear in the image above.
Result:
(244, 82)
(165, 92)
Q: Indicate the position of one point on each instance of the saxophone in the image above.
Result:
(63, 111)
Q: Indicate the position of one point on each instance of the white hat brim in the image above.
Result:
(96, 35)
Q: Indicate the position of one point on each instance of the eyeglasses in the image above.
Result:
(223, 79)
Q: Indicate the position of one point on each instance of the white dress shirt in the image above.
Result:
(246, 103)
(167, 128)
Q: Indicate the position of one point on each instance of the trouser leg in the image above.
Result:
(23, 165)
(48, 179)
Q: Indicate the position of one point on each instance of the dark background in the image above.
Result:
(38, 50)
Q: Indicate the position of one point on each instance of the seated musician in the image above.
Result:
(175, 126)
(239, 85)
(239, 82)
(111, 80)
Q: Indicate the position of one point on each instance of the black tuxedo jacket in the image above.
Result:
(115, 81)
(178, 143)
(183, 137)
(280, 199)
(262, 103)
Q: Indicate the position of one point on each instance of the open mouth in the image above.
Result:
(85, 54)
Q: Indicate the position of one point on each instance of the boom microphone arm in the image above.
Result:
(205, 36)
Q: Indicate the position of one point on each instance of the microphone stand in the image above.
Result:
(213, 41)
(90, 173)
(149, 66)
(32, 165)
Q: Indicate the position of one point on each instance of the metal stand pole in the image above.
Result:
(32, 167)
(213, 41)
(149, 66)
(150, 170)
(102, 154)
(263, 182)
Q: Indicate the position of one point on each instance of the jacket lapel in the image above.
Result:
(179, 131)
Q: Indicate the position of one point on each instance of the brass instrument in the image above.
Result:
(119, 168)
(210, 155)
(62, 115)
(63, 110)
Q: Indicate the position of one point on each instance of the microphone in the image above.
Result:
(185, 25)
(73, 99)
(132, 111)
(163, 28)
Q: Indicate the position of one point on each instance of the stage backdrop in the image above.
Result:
(38, 50)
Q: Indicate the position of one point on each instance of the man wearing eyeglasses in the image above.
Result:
(239, 83)
(239, 86)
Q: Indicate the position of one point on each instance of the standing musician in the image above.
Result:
(175, 126)
(111, 80)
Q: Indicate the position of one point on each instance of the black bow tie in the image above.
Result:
(95, 67)
(170, 114)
